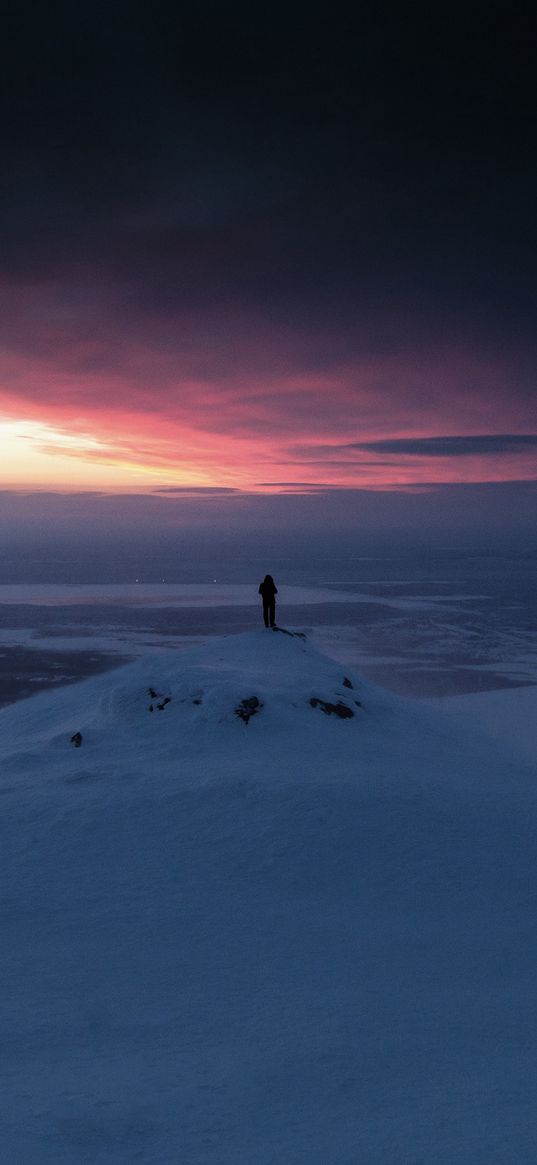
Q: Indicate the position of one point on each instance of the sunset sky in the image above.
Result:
(267, 249)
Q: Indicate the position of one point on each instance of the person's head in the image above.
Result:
(269, 578)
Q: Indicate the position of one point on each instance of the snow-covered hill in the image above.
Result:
(263, 913)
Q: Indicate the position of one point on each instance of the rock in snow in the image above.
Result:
(282, 938)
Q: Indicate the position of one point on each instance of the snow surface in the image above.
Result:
(507, 715)
(300, 939)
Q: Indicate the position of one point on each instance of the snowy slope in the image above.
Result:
(509, 715)
(298, 938)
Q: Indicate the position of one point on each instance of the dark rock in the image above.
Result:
(152, 693)
(248, 708)
(76, 739)
(347, 683)
(339, 709)
(167, 700)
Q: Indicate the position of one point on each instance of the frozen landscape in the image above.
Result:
(258, 909)
(268, 895)
(427, 625)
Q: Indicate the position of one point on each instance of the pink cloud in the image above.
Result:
(239, 399)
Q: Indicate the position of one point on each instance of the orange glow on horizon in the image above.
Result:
(281, 432)
(38, 455)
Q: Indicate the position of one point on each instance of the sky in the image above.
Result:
(267, 250)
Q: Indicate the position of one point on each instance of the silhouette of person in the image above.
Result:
(268, 591)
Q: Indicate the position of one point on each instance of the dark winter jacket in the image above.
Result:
(268, 588)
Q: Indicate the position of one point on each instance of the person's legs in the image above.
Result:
(266, 613)
(272, 613)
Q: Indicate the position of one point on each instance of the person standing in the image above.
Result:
(268, 591)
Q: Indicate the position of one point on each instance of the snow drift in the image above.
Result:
(241, 925)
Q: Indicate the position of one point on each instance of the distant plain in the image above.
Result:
(423, 626)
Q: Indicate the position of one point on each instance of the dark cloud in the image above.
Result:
(451, 446)
(298, 484)
(196, 491)
(350, 159)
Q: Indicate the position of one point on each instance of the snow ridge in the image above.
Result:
(288, 935)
